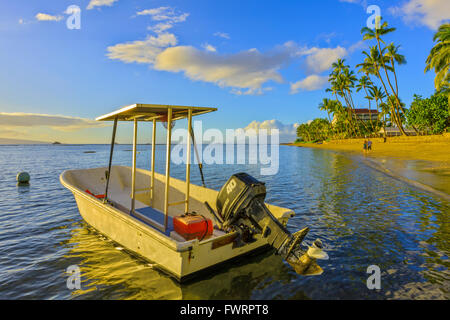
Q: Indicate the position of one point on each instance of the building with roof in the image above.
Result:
(364, 114)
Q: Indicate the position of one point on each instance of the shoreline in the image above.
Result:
(420, 161)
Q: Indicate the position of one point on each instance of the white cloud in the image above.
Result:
(327, 37)
(431, 13)
(317, 61)
(361, 2)
(57, 122)
(321, 59)
(154, 12)
(209, 47)
(100, 3)
(46, 17)
(144, 51)
(288, 132)
(164, 14)
(222, 35)
(310, 83)
(357, 46)
(244, 70)
(250, 91)
(160, 27)
(167, 17)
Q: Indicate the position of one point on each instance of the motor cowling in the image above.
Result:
(240, 204)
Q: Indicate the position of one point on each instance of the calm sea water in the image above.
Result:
(363, 217)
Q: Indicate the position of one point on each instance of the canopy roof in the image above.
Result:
(148, 112)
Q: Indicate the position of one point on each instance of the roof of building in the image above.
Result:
(364, 111)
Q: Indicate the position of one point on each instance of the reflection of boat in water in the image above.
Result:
(153, 214)
(108, 272)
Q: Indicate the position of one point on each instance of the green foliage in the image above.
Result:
(430, 115)
(439, 57)
(316, 130)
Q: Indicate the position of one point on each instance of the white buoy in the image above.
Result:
(23, 178)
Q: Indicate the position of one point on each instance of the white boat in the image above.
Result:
(136, 207)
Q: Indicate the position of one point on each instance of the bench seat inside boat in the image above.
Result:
(121, 198)
(157, 216)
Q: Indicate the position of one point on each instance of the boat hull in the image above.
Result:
(182, 260)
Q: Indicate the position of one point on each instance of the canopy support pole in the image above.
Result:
(113, 139)
(167, 186)
(198, 158)
(188, 161)
(133, 174)
(152, 184)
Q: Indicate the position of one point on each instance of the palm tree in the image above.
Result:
(342, 80)
(377, 94)
(439, 57)
(325, 106)
(339, 66)
(394, 56)
(364, 83)
(384, 111)
(372, 64)
(330, 106)
(340, 113)
(377, 33)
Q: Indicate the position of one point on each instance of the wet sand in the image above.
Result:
(423, 161)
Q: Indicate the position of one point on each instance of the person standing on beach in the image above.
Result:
(365, 146)
(369, 145)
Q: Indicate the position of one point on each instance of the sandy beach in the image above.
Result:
(420, 160)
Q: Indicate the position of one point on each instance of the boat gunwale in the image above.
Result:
(162, 238)
(129, 219)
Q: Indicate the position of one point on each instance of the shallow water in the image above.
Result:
(363, 216)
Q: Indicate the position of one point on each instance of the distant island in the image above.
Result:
(56, 142)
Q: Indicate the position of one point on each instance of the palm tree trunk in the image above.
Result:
(387, 95)
(356, 117)
(378, 116)
(351, 113)
(396, 88)
(399, 124)
(370, 114)
(395, 76)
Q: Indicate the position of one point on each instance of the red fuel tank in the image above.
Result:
(192, 226)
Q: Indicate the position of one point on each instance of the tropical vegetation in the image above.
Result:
(439, 58)
(376, 79)
(430, 115)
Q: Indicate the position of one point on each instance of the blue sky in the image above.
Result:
(240, 56)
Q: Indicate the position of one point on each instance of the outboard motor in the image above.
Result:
(240, 204)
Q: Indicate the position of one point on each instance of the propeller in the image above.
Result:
(306, 265)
